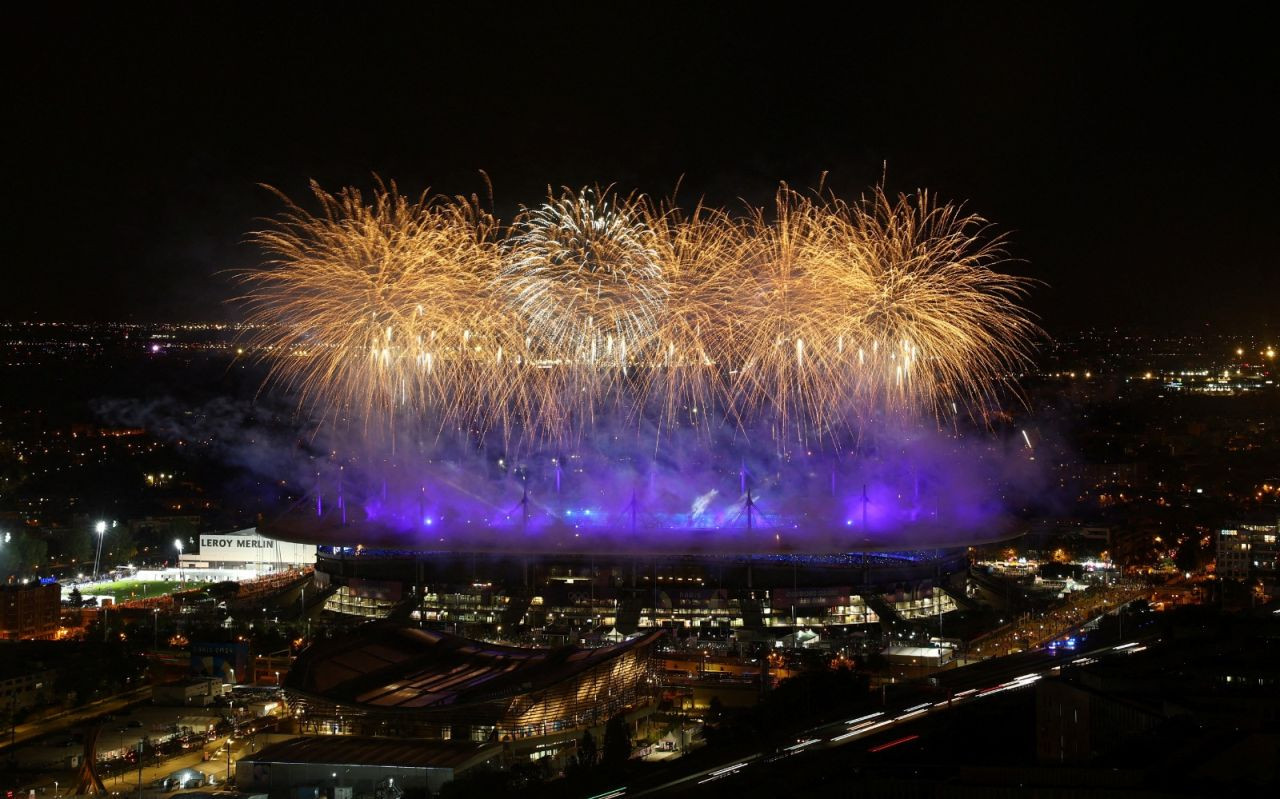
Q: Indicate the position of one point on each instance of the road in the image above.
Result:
(38, 729)
(969, 684)
(1042, 628)
(126, 782)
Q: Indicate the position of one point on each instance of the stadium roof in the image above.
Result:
(387, 667)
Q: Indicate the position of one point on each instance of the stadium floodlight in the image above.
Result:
(101, 529)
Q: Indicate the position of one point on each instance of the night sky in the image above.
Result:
(1131, 155)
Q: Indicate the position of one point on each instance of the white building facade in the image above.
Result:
(247, 549)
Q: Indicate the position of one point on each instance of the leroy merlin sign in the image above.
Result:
(246, 546)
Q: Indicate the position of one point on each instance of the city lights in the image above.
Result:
(699, 401)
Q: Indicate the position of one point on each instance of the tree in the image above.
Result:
(876, 663)
(20, 553)
(74, 599)
(123, 544)
(587, 750)
(36, 552)
(617, 742)
(1187, 558)
(78, 543)
(9, 556)
(715, 709)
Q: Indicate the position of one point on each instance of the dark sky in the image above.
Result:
(1130, 154)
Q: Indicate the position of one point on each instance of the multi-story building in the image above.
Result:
(29, 611)
(25, 685)
(1249, 550)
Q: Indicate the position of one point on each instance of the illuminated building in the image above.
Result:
(714, 596)
(246, 549)
(29, 611)
(1249, 550)
(386, 680)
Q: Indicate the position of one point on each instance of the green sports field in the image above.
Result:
(124, 590)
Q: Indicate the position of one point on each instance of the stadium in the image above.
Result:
(611, 414)
(744, 546)
(743, 585)
(611, 422)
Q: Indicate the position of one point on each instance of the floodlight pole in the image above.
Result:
(101, 529)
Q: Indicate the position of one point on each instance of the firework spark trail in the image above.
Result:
(368, 308)
(815, 316)
(582, 273)
(881, 306)
(685, 379)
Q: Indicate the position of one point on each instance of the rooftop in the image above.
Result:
(341, 750)
(388, 667)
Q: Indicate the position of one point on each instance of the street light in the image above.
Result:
(101, 529)
(177, 542)
(121, 731)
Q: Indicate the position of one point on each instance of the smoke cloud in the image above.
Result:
(901, 486)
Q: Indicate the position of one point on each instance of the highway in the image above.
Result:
(962, 686)
(38, 729)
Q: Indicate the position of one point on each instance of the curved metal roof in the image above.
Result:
(387, 667)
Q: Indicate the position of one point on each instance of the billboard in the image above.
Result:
(246, 546)
(227, 661)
